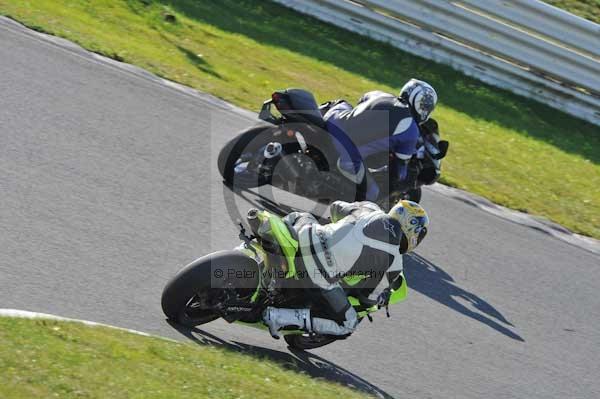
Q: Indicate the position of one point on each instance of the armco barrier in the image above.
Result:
(525, 46)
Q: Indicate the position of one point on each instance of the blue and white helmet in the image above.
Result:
(421, 97)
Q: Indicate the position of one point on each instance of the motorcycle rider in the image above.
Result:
(361, 240)
(380, 123)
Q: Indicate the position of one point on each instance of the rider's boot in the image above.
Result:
(277, 318)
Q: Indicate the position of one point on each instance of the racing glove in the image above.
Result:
(384, 298)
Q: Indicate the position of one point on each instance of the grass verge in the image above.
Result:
(514, 151)
(44, 359)
(588, 9)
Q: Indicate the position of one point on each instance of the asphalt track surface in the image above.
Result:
(109, 185)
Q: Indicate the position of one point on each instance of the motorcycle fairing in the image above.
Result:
(400, 293)
(287, 243)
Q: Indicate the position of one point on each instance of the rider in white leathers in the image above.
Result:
(361, 240)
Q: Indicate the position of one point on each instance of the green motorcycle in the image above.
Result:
(237, 285)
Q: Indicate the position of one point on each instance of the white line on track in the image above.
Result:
(25, 314)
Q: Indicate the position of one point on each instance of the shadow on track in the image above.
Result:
(430, 280)
(309, 363)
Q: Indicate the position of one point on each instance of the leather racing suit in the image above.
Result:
(362, 240)
(380, 123)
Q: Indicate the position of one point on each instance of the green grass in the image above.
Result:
(588, 9)
(46, 359)
(514, 151)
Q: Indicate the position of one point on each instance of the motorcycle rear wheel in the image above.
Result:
(414, 195)
(191, 296)
(388, 202)
(229, 160)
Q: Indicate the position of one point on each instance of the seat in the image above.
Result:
(303, 106)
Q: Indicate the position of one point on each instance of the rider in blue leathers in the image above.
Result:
(380, 123)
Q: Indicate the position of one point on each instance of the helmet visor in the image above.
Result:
(421, 235)
(413, 236)
(426, 105)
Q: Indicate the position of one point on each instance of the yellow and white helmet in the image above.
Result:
(413, 220)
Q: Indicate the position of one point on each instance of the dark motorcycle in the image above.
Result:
(294, 151)
(239, 284)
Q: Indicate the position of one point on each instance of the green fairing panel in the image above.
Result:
(372, 309)
(284, 238)
(401, 293)
(353, 280)
(355, 302)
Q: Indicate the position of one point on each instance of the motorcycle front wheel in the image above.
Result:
(308, 341)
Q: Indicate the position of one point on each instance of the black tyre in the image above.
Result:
(248, 141)
(307, 341)
(386, 203)
(190, 296)
(414, 195)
